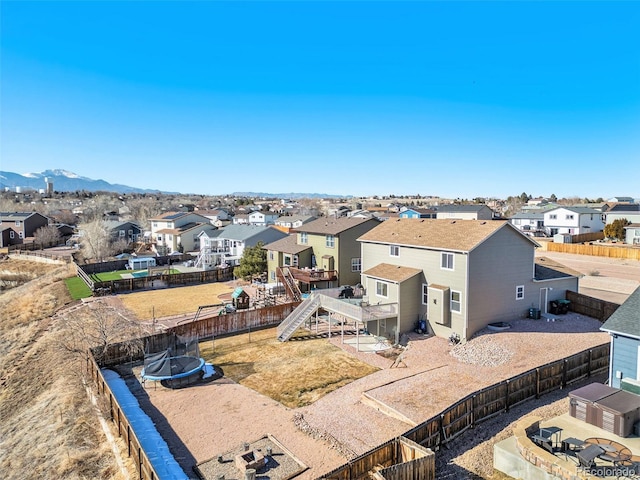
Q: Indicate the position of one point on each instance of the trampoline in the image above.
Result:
(177, 363)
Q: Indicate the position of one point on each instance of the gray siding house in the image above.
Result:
(624, 328)
(457, 275)
(465, 212)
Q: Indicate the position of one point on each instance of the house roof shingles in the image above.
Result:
(394, 273)
(446, 234)
(626, 319)
(547, 269)
(331, 226)
(287, 245)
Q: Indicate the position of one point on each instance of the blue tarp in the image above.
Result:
(152, 443)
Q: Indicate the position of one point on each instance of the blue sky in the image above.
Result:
(456, 99)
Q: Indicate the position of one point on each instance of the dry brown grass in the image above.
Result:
(294, 373)
(174, 301)
(48, 428)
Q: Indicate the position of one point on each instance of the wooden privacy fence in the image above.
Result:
(611, 251)
(591, 307)
(478, 407)
(205, 327)
(396, 459)
(587, 237)
(165, 279)
(500, 397)
(134, 448)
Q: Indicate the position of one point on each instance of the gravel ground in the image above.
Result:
(203, 421)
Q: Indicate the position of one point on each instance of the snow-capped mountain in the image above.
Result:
(63, 181)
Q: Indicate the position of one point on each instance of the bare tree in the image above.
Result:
(46, 236)
(96, 328)
(95, 240)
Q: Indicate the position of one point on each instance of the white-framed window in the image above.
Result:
(304, 238)
(456, 304)
(295, 260)
(130, 232)
(12, 234)
(20, 234)
(569, 217)
(330, 241)
(121, 233)
(159, 238)
(287, 260)
(553, 217)
(17, 223)
(170, 237)
(520, 292)
(425, 294)
(446, 261)
(394, 250)
(382, 289)
(271, 257)
(155, 224)
(273, 276)
(356, 264)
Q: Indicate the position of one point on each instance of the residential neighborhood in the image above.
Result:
(358, 270)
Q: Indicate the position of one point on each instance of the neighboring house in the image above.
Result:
(624, 328)
(178, 231)
(241, 219)
(629, 212)
(323, 253)
(632, 234)
(294, 221)
(622, 199)
(226, 245)
(262, 218)
(458, 275)
(9, 236)
(218, 217)
(129, 231)
(529, 223)
(23, 225)
(465, 212)
(572, 221)
(417, 213)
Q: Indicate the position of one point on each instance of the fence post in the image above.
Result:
(537, 382)
(506, 396)
(564, 373)
(589, 363)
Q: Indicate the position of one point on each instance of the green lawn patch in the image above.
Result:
(77, 288)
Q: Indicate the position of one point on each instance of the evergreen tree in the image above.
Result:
(253, 262)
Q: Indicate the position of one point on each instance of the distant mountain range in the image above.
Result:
(65, 181)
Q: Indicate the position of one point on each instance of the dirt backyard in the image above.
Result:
(204, 421)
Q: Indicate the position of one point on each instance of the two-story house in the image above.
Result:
(18, 226)
(178, 231)
(530, 223)
(465, 212)
(227, 245)
(572, 221)
(322, 253)
(458, 275)
(262, 218)
(128, 231)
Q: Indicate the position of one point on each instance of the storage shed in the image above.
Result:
(618, 412)
(240, 299)
(582, 401)
(140, 263)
